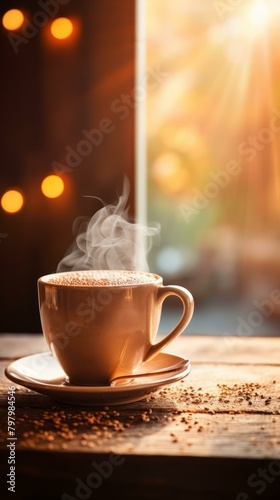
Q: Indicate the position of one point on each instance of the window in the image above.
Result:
(212, 163)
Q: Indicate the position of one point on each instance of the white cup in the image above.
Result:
(103, 324)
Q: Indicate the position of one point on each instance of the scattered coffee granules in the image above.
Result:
(238, 398)
(61, 427)
(185, 411)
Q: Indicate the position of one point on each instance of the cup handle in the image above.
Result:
(188, 307)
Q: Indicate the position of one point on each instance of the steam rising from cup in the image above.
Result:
(109, 240)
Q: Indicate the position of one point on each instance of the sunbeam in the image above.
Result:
(221, 60)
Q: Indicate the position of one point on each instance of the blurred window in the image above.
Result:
(213, 149)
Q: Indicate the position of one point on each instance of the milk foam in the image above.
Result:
(102, 278)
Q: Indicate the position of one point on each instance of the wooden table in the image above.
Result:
(213, 435)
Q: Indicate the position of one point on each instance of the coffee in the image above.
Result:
(103, 278)
(102, 324)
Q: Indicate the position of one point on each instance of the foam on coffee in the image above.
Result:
(102, 278)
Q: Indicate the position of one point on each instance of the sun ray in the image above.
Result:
(222, 86)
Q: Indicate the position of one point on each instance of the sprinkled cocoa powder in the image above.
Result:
(102, 278)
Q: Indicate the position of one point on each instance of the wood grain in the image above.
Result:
(200, 438)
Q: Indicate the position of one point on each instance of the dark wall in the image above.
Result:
(50, 93)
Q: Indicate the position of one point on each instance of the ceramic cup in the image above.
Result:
(103, 324)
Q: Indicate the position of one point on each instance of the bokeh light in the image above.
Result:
(52, 186)
(169, 173)
(170, 261)
(12, 201)
(61, 28)
(13, 19)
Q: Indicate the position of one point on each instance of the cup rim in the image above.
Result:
(45, 279)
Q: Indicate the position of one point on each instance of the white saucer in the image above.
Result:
(42, 373)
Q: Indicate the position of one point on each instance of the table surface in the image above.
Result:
(214, 434)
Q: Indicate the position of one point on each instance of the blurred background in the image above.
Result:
(213, 150)
(209, 167)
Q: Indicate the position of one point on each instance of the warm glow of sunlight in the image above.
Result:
(258, 15)
(52, 186)
(13, 19)
(12, 201)
(61, 28)
(258, 12)
(213, 124)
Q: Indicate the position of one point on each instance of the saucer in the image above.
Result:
(42, 373)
